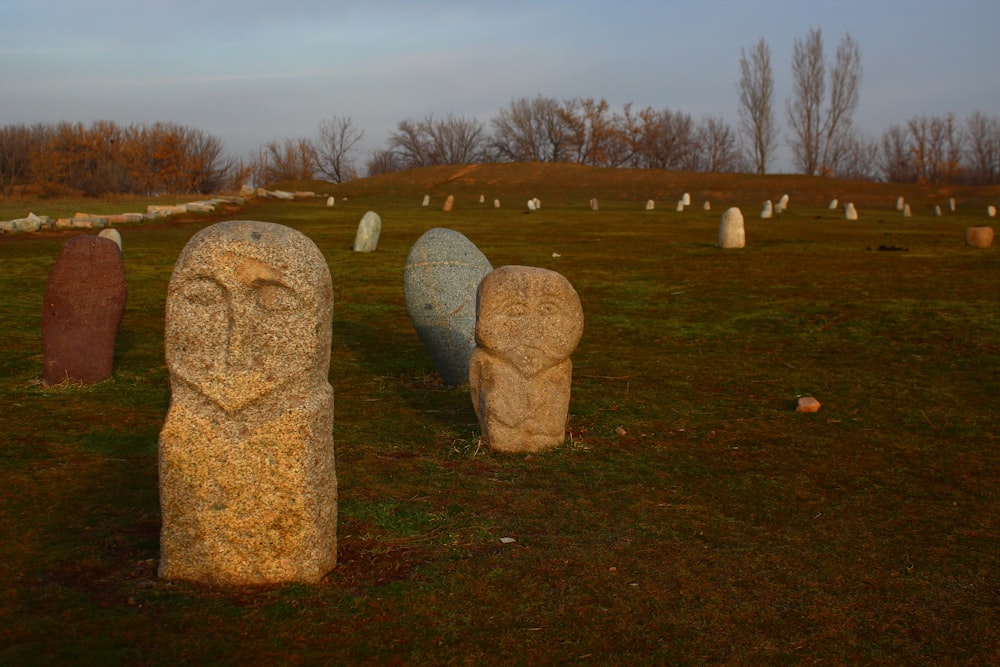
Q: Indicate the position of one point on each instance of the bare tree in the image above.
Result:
(718, 148)
(338, 137)
(820, 135)
(382, 162)
(452, 140)
(295, 159)
(982, 140)
(756, 92)
(936, 149)
(860, 159)
(16, 142)
(895, 160)
(530, 130)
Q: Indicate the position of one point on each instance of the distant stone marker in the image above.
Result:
(594, 206)
(427, 200)
(529, 321)
(84, 303)
(951, 204)
(442, 272)
(782, 204)
(707, 206)
(369, 230)
(767, 211)
(248, 488)
(112, 234)
(680, 205)
(686, 199)
(906, 211)
(330, 201)
(732, 233)
(937, 211)
(850, 213)
(449, 203)
(496, 203)
(834, 204)
(991, 211)
(979, 237)
(900, 202)
(482, 198)
(650, 205)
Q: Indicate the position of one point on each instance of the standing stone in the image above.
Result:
(782, 204)
(449, 203)
(951, 204)
(84, 303)
(427, 200)
(369, 229)
(906, 211)
(650, 205)
(686, 199)
(768, 210)
(732, 233)
(834, 204)
(680, 205)
(538, 203)
(330, 201)
(482, 198)
(991, 211)
(937, 211)
(707, 205)
(979, 237)
(594, 206)
(529, 321)
(531, 205)
(850, 213)
(900, 203)
(442, 272)
(248, 488)
(496, 203)
(112, 234)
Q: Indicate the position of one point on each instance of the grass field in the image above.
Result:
(691, 517)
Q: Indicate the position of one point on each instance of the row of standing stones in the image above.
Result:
(247, 478)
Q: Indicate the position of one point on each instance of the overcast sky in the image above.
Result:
(253, 71)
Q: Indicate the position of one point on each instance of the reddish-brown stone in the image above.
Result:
(84, 303)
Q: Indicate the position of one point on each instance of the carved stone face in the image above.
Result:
(248, 312)
(528, 316)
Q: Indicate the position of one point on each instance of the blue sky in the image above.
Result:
(252, 71)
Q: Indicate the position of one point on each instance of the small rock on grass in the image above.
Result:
(807, 404)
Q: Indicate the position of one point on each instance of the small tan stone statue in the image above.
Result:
(248, 490)
(528, 322)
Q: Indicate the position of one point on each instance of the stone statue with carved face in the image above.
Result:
(248, 489)
(528, 322)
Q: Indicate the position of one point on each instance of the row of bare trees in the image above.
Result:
(579, 130)
(821, 135)
(105, 157)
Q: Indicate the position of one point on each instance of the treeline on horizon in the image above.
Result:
(107, 158)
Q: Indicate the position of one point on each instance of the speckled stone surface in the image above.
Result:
(442, 272)
(732, 233)
(369, 229)
(529, 321)
(84, 303)
(248, 489)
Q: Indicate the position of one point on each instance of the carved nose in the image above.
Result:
(240, 339)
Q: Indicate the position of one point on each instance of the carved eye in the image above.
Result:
(516, 309)
(277, 298)
(204, 292)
